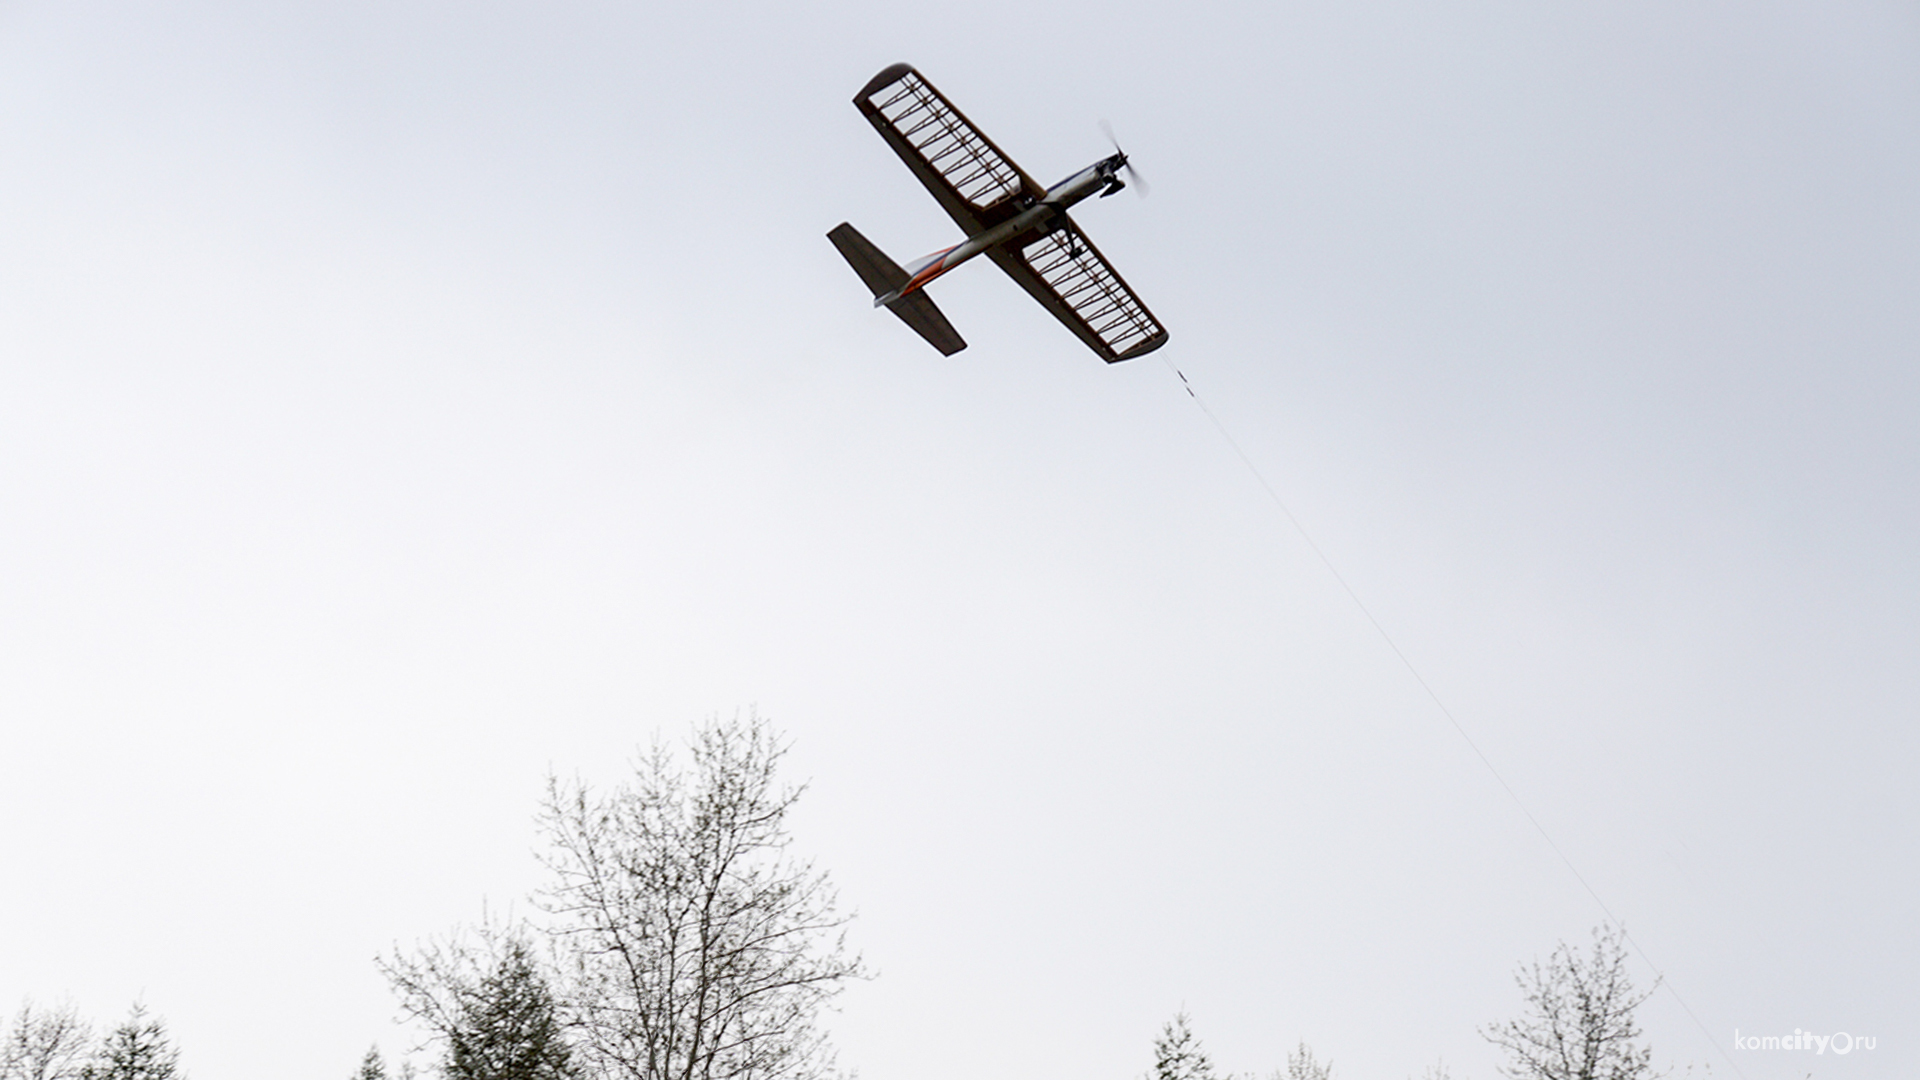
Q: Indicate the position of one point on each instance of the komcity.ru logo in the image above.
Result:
(1839, 1042)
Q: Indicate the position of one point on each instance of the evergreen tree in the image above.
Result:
(1301, 1066)
(490, 1006)
(136, 1050)
(508, 1029)
(1177, 1054)
(372, 1067)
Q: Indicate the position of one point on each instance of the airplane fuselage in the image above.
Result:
(1096, 179)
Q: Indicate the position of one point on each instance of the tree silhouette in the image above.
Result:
(136, 1050)
(1578, 1024)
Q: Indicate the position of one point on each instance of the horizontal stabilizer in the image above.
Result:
(881, 274)
(916, 310)
(884, 276)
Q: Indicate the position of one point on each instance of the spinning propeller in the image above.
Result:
(1114, 183)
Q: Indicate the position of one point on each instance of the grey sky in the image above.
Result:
(400, 400)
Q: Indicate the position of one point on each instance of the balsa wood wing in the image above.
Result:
(977, 185)
(1070, 278)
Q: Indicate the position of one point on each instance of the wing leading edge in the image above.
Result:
(971, 179)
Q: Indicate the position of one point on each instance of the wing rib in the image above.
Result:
(1083, 292)
(969, 177)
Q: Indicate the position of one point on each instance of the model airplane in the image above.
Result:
(1017, 223)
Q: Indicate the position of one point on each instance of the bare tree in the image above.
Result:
(1578, 1023)
(45, 1044)
(692, 945)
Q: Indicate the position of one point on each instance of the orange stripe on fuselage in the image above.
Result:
(933, 270)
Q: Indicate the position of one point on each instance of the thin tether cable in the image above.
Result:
(1660, 978)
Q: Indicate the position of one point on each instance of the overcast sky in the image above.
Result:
(401, 400)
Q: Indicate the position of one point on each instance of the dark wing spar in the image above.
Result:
(1006, 215)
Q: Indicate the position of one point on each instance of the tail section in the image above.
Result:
(916, 310)
(883, 276)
